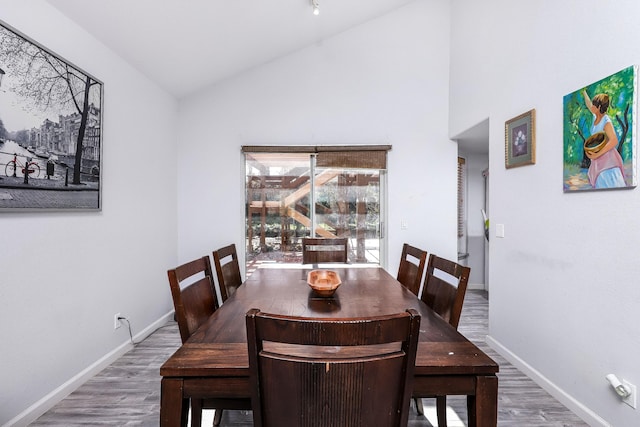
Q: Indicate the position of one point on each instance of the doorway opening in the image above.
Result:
(473, 215)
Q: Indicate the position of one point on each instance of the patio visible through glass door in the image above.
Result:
(280, 190)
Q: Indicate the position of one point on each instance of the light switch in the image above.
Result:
(500, 230)
(403, 224)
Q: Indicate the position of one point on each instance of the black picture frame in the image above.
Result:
(50, 129)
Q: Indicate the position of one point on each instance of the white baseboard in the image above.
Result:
(36, 410)
(153, 327)
(475, 286)
(587, 415)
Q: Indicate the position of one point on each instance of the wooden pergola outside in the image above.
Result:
(285, 197)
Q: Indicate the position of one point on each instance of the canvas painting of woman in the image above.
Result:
(599, 134)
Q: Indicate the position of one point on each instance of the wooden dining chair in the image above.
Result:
(315, 372)
(194, 300)
(193, 293)
(445, 286)
(411, 267)
(320, 249)
(228, 270)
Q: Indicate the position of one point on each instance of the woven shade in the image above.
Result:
(333, 156)
(352, 159)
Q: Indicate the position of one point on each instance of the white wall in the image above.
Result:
(564, 294)
(384, 82)
(64, 275)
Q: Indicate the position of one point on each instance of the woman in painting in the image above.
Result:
(606, 170)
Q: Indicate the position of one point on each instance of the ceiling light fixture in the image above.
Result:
(316, 8)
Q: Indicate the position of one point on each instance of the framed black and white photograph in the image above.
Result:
(50, 129)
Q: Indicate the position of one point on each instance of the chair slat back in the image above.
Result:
(411, 268)
(193, 294)
(324, 250)
(331, 372)
(445, 293)
(227, 270)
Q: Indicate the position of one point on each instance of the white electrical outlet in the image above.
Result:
(631, 399)
(116, 321)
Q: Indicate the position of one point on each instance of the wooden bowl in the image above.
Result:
(323, 282)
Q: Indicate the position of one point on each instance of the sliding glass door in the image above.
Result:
(294, 195)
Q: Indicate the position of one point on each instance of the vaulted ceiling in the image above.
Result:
(186, 45)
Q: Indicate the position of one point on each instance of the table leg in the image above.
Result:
(483, 407)
(173, 407)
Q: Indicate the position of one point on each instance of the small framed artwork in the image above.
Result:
(599, 137)
(520, 140)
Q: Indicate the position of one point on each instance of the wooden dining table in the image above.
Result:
(213, 363)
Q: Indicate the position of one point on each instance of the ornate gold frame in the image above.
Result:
(517, 131)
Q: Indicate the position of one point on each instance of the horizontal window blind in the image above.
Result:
(334, 156)
(461, 187)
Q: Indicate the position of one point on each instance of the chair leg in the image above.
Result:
(217, 417)
(196, 412)
(419, 407)
(441, 410)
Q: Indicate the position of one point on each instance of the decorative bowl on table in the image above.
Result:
(323, 282)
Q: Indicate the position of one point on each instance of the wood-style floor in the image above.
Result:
(127, 393)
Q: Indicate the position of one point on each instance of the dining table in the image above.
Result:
(213, 362)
